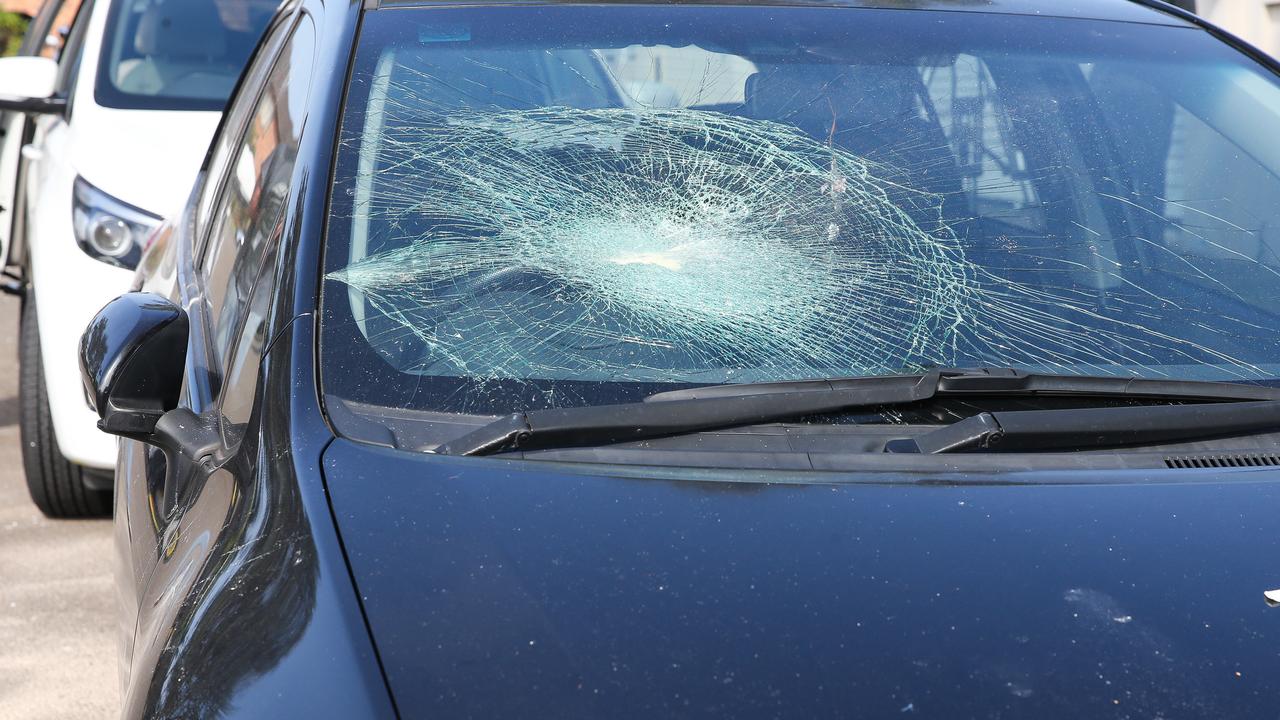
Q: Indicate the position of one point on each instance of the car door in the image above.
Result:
(43, 37)
(179, 508)
(48, 134)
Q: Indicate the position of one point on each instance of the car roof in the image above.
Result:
(1139, 11)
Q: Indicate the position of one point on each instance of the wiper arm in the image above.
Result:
(719, 406)
(1033, 430)
(605, 424)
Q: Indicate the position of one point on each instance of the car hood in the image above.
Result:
(147, 158)
(500, 589)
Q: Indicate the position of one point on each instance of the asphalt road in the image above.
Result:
(57, 605)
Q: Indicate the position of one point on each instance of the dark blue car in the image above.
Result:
(865, 358)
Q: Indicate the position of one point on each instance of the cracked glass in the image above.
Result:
(572, 205)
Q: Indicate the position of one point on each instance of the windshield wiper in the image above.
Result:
(723, 406)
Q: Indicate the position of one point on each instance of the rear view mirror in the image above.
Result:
(27, 85)
(132, 358)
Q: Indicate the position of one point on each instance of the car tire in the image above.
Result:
(60, 488)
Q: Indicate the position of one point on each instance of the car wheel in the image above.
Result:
(60, 488)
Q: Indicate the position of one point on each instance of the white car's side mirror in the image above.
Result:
(27, 85)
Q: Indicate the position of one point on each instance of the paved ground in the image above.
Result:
(57, 630)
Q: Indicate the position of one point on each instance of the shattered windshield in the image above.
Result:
(572, 205)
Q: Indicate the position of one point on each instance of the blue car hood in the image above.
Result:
(502, 589)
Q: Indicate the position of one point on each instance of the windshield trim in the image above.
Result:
(1136, 12)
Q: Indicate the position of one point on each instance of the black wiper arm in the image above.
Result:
(1035, 430)
(605, 424)
(719, 406)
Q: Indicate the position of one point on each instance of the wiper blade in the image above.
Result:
(720, 406)
(1074, 429)
(1004, 381)
(606, 424)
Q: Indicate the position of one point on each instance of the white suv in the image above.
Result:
(122, 122)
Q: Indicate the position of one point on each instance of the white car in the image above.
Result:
(122, 121)
(45, 36)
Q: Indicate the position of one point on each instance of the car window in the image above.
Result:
(240, 260)
(230, 135)
(240, 381)
(177, 54)
(617, 200)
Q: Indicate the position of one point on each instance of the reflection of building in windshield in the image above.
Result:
(665, 77)
(1255, 21)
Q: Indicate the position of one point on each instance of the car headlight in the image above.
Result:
(108, 229)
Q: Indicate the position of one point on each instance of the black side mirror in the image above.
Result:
(132, 358)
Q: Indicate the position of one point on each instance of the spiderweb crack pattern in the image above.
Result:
(687, 245)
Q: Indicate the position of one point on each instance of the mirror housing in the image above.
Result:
(27, 85)
(132, 358)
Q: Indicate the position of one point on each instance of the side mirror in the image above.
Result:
(27, 85)
(132, 358)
